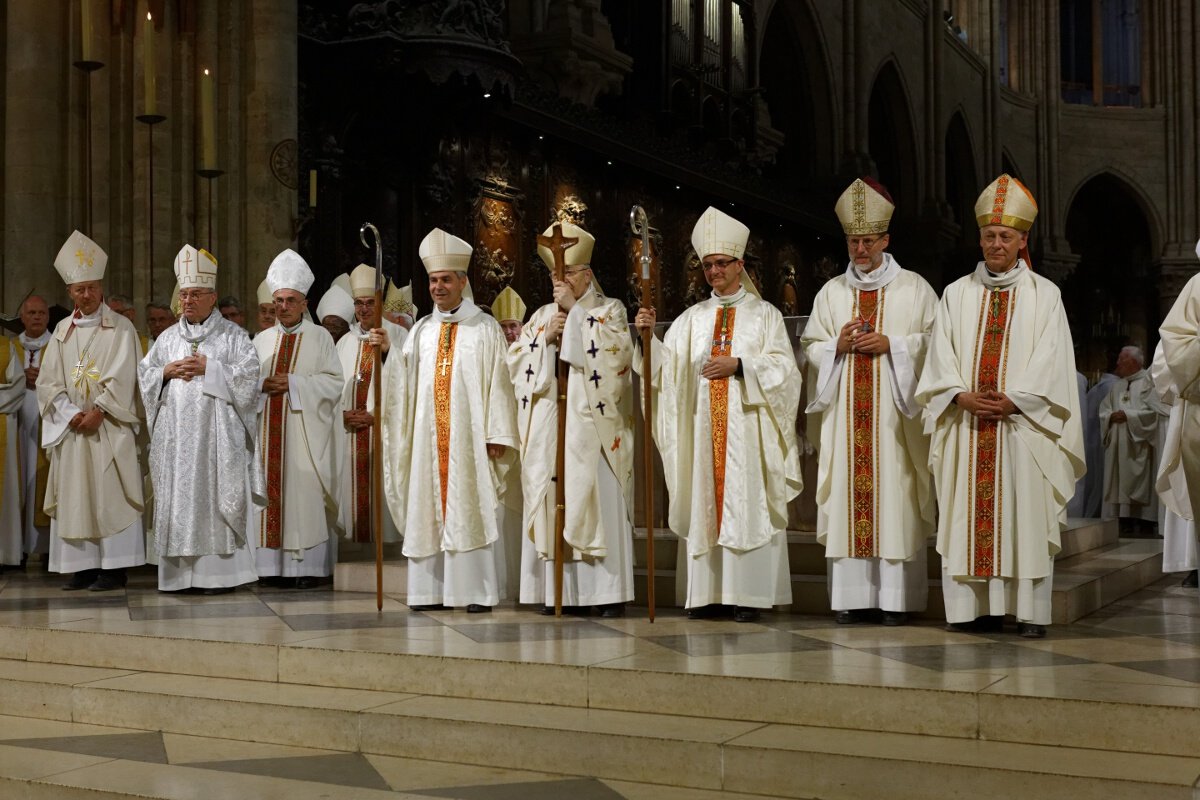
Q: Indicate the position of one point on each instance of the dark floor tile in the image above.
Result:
(341, 769)
(549, 631)
(356, 620)
(986, 655)
(1149, 624)
(146, 747)
(1184, 669)
(739, 644)
(570, 789)
(252, 608)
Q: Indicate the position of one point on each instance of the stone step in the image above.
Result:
(782, 758)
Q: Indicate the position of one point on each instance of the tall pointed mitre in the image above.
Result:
(508, 305)
(717, 233)
(444, 252)
(577, 255)
(864, 208)
(176, 303)
(1006, 201)
(399, 300)
(336, 301)
(362, 281)
(289, 271)
(195, 269)
(264, 294)
(80, 259)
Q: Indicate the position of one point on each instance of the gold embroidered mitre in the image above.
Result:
(1006, 202)
(80, 259)
(864, 208)
(508, 305)
(398, 300)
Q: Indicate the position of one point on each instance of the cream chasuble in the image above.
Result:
(728, 447)
(1180, 335)
(1002, 487)
(447, 396)
(874, 495)
(12, 396)
(357, 359)
(35, 464)
(599, 451)
(1130, 452)
(1175, 510)
(296, 449)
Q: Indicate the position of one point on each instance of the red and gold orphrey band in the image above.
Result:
(987, 444)
(863, 408)
(274, 432)
(443, 375)
(718, 403)
(362, 446)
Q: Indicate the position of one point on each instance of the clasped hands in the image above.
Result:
(989, 405)
(87, 421)
(186, 368)
(276, 384)
(853, 339)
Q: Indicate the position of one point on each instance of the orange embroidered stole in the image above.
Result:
(274, 434)
(862, 403)
(987, 445)
(443, 376)
(718, 405)
(361, 461)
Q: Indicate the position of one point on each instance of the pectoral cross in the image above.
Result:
(593, 350)
(725, 340)
(444, 363)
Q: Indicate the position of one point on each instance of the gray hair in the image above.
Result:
(229, 300)
(120, 298)
(1135, 353)
(160, 306)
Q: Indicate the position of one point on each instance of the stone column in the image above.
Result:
(35, 127)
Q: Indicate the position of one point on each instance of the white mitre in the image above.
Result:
(577, 255)
(717, 233)
(445, 252)
(263, 293)
(80, 259)
(289, 271)
(362, 281)
(336, 302)
(195, 269)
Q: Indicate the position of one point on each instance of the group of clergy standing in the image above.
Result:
(959, 416)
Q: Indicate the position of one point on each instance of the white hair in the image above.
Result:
(1135, 353)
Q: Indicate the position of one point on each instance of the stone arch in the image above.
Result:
(962, 176)
(1131, 186)
(892, 139)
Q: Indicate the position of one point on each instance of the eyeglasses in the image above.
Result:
(194, 294)
(368, 302)
(720, 263)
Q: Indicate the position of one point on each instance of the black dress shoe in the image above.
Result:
(427, 607)
(893, 619)
(1028, 630)
(308, 582)
(961, 627)
(81, 580)
(218, 590)
(546, 611)
(106, 581)
(611, 610)
(704, 612)
(744, 614)
(476, 608)
(1191, 581)
(850, 616)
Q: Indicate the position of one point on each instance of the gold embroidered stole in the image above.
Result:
(862, 402)
(361, 463)
(986, 486)
(42, 471)
(274, 435)
(443, 376)
(718, 405)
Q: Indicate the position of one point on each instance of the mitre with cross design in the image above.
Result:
(195, 269)
(80, 259)
(865, 208)
(575, 256)
(1006, 201)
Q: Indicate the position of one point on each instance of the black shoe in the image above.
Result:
(1028, 630)
(704, 612)
(81, 580)
(307, 582)
(744, 614)
(218, 590)
(990, 624)
(546, 611)
(427, 607)
(476, 608)
(851, 616)
(108, 580)
(963, 627)
(611, 610)
(1191, 581)
(893, 619)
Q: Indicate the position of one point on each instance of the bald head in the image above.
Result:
(35, 316)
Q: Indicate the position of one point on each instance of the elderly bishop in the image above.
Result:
(866, 341)
(87, 394)
(450, 434)
(590, 333)
(727, 394)
(301, 389)
(199, 387)
(1129, 417)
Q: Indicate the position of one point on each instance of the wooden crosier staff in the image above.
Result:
(641, 227)
(558, 245)
(376, 423)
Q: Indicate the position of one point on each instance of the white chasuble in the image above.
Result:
(874, 494)
(1175, 509)
(1130, 447)
(296, 449)
(598, 464)
(355, 504)
(12, 396)
(1002, 486)
(729, 448)
(1180, 335)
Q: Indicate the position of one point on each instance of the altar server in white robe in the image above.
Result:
(299, 413)
(356, 355)
(12, 396)
(592, 337)
(87, 395)
(30, 345)
(199, 386)
(509, 310)
(727, 391)
(998, 387)
(449, 435)
(1175, 511)
(865, 341)
(1129, 426)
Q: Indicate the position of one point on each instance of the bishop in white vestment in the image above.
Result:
(1002, 406)
(727, 391)
(1176, 525)
(87, 395)
(865, 341)
(592, 337)
(199, 387)
(12, 396)
(449, 435)
(30, 345)
(1129, 427)
(1180, 337)
(299, 411)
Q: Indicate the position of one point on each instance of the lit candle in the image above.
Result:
(208, 123)
(312, 188)
(85, 30)
(148, 67)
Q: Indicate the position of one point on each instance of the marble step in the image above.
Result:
(703, 753)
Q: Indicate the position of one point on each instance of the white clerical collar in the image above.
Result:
(730, 299)
(1000, 280)
(877, 278)
(36, 343)
(292, 329)
(87, 320)
(466, 309)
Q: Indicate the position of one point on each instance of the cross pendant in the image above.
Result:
(444, 364)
